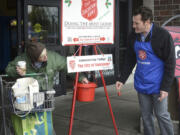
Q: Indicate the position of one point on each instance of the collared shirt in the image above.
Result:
(144, 37)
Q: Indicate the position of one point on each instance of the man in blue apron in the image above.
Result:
(151, 48)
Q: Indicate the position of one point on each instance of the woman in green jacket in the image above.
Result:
(40, 60)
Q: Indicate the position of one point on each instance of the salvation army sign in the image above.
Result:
(87, 22)
(175, 33)
(89, 63)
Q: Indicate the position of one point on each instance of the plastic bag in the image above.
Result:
(23, 91)
(38, 123)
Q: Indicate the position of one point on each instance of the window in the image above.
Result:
(43, 24)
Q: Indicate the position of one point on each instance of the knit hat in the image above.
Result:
(34, 50)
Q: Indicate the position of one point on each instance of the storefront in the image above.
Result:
(40, 20)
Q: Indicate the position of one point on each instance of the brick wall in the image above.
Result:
(164, 9)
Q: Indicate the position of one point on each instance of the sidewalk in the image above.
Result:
(93, 118)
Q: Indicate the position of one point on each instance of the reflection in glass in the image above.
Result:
(43, 24)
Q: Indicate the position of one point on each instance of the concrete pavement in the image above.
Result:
(93, 118)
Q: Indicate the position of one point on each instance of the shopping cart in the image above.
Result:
(8, 100)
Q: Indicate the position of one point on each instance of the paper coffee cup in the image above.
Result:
(22, 65)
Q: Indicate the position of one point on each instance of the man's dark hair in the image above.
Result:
(145, 12)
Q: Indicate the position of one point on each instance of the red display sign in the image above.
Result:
(175, 33)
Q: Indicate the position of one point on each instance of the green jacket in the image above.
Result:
(55, 63)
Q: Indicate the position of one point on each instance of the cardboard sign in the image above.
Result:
(89, 63)
(87, 22)
(175, 33)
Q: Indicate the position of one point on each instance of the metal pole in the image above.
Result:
(129, 27)
(74, 98)
(3, 107)
(19, 26)
(107, 97)
(170, 19)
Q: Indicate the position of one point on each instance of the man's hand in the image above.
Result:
(84, 80)
(163, 94)
(20, 71)
(118, 87)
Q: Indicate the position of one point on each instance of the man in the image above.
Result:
(151, 48)
(40, 60)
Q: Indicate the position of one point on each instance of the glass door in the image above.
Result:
(42, 24)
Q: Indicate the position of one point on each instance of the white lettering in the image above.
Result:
(145, 63)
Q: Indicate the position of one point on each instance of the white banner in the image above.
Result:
(87, 22)
(89, 63)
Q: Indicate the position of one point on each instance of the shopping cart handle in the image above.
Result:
(3, 75)
(34, 74)
(30, 74)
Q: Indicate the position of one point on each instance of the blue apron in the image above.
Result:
(149, 70)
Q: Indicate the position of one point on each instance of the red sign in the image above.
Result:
(89, 9)
(175, 33)
(142, 54)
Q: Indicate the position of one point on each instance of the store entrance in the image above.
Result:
(39, 20)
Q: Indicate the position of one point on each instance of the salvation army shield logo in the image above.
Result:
(142, 54)
(89, 9)
(72, 64)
